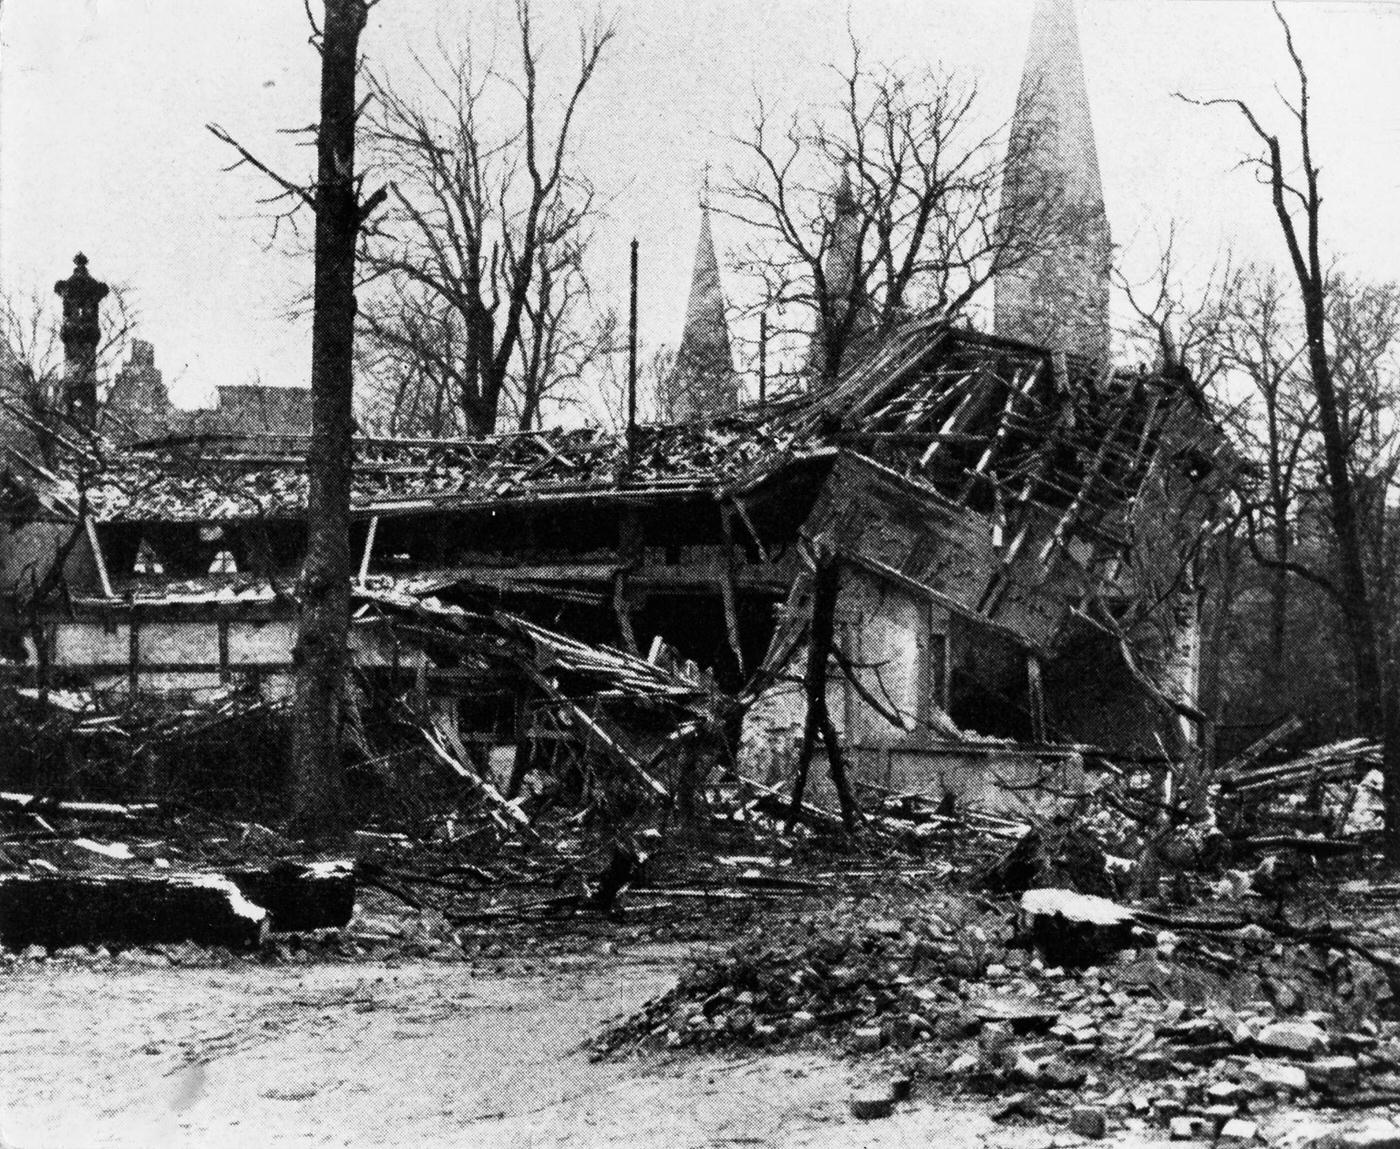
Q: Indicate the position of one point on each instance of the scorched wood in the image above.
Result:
(313, 896)
(57, 910)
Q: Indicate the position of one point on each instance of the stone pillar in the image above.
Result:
(81, 332)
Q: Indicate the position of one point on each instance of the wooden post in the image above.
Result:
(223, 650)
(524, 744)
(622, 608)
(1037, 697)
(631, 552)
(727, 588)
(763, 357)
(369, 549)
(632, 369)
(133, 651)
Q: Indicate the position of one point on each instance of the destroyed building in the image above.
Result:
(1016, 525)
(138, 407)
(991, 505)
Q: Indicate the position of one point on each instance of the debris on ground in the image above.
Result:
(1201, 1022)
(944, 947)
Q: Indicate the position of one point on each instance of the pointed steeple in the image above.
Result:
(1053, 227)
(839, 263)
(703, 382)
(840, 270)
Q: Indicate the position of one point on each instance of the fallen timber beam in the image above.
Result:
(611, 747)
(1257, 749)
(911, 438)
(297, 896)
(777, 805)
(58, 910)
(1317, 847)
(97, 811)
(505, 813)
(1295, 774)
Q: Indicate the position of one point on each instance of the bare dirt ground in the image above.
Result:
(412, 1054)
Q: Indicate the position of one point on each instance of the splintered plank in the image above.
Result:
(57, 910)
(33, 804)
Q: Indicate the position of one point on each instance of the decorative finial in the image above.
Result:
(80, 260)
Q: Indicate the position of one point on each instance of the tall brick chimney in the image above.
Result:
(81, 332)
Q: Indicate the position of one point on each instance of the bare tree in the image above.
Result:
(887, 206)
(1262, 342)
(1298, 208)
(321, 655)
(1178, 325)
(477, 266)
(32, 368)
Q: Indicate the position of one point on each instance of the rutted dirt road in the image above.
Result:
(372, 1055)
(420, 1055)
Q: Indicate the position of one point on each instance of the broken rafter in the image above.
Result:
(1257, 749)
(505, 813)
(998, 442)
(611, 746)
(728, 591)
(1091, 475)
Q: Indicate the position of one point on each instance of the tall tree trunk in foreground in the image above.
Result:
(321, 657)
(1376, 712)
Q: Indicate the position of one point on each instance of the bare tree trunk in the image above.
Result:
(826, 586)
(321, 656)
(1375, 711)
(1278, 613)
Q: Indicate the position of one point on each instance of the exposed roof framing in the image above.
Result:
(992, 424)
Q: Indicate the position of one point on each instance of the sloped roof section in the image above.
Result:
(991, 424)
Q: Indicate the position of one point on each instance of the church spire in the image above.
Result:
(839, 263)
(1054, 230)
(841, 272)
(703, 382)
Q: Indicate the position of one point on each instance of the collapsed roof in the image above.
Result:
(988, 423)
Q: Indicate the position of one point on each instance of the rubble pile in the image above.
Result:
(1188, 1028)
(837, 974)
(1333, 790)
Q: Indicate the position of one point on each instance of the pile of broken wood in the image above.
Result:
(75, 873)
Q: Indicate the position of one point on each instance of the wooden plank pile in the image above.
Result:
(1347, 760)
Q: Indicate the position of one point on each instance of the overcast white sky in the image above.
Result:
(103, 147)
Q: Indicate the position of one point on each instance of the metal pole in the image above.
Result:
(763, 357)
(632, 367)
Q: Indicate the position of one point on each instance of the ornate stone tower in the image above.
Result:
(1052, 222)
(703, 382)
(81, 332)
